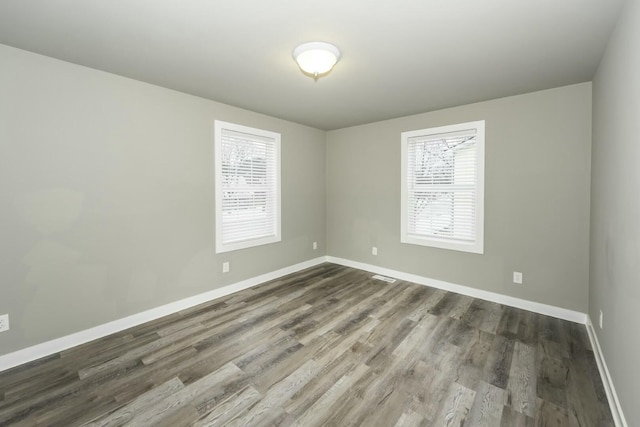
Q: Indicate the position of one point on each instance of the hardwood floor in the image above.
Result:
(325, 346)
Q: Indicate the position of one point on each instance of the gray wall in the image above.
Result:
(615, 208)
(536, 197)
(107, 190)
(107, 197)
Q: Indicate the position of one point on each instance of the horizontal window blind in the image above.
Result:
(441, 182)
(249, 209)
(441, 188)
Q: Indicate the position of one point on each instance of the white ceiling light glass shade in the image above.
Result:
(316, 58)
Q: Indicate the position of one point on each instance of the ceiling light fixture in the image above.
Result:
(316, 58)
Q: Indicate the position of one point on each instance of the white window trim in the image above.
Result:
(227, 247)
(474, 247)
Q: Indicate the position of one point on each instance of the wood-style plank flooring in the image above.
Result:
(325, 346)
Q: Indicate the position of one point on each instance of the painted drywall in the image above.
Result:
(107, 189)
(107, 197)
(615, 208)
(536, 197)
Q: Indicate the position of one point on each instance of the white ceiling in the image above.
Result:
(398, 57)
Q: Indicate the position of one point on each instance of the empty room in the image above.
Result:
(338, 213)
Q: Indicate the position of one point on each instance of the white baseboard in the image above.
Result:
(38, 351)
(549, 310)
(612, 396)
(59, 344)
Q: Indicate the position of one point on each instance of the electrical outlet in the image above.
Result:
(374, 250)
(4, 322)
(225, 267)
(600, 319)
(517, 277)
(315, 245)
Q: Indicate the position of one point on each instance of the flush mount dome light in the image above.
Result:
(316, 58)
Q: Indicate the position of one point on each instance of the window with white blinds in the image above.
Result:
(443, 187)
(247, 182)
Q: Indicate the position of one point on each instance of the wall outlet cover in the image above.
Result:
(4, 322)
(374, 250)
(517, 277)
(225, 267)
(600, 319)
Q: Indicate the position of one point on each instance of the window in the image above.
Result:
(443, 187)
(247, 180)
